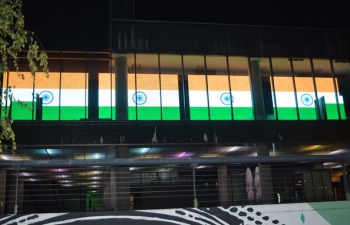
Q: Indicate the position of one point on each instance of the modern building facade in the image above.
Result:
(116, 84)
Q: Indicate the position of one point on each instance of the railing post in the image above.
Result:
(16, 196)
(195, 201)
(345, 179)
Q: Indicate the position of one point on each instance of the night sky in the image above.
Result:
(330, 14)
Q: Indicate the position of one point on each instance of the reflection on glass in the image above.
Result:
(220, 101)
(106, 95)
(147, 95)
(326, 100)
(342, 74)
(73, 96)
(305, 89)
(48, 89)
(22, 93)
(263, 88)
(284, 89)
(170, 67)
(240, 88)
(195, 73)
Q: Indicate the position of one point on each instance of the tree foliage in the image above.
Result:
(15, 40)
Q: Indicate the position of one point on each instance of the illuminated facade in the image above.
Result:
(194, 87)
(113, 80)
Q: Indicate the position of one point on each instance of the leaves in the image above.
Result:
(14, 39)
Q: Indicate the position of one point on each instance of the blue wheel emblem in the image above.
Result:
(226, 98)
(307, 99)
(47, 97)
(139, 98)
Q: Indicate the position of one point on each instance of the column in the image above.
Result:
(223, 186)
(257, 90)
(267, 194)
(184, 97)
(93, 96)
(121, 90)
(2, 191)
(119, 188)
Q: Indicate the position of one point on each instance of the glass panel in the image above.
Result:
(48, 89)
(22, 93)
(240, 88)
(220, 101)
(284, 89)
(195, 74)
(305, 89)
(73, 96)
(147, 95)
(171, 69)
(106, 95)
(327, 103)
(342, 74)
(262, 88)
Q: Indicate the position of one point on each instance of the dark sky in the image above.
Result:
(333, 14)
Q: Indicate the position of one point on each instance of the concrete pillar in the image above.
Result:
(93, 96)
(223, 186)
(119, 184)
(267, 193)
(2, 191)
(257, 90)
(121, 90)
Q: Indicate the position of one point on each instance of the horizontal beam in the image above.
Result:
(133, 162)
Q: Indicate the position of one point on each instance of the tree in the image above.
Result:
(15, 40)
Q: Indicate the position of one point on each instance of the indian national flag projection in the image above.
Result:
(285, 98)
(22, 92)
(220, 98)
(73, 96)
(146, 97)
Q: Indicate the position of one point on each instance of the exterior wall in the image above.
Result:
(167, 37)
(303, 213)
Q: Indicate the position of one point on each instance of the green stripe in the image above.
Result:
(20, 112)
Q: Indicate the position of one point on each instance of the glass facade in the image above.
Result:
(189, 87)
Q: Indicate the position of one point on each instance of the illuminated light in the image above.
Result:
(180, 154)
(27, 174)
(95, 178)
(144, 150)
(332, 165)
(4, 157)
(132, 168)
(97, 156)
(200, 167)
(339, 151)
(54, 151)
(95, 186)
(62, 170)
(79, 157)
(32, 179)
(233, 149)
(311, 147)
(66, 176)
(95, 182)
(210, 155)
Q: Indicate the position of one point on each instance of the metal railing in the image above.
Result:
(37, 186)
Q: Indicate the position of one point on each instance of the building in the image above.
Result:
(124, 88)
